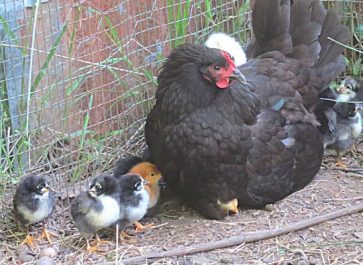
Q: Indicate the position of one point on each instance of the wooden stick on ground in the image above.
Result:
(348, 169)
(245, 238)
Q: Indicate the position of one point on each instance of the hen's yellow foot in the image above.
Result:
(230, 206)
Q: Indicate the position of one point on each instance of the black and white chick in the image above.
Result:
(33, 202)
(97, 208)
(348, 127)
(351, 89)
(134, 198)
(222, 41)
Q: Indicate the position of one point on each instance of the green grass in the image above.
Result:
(178, 20)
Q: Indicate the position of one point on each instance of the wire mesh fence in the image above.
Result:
(77, 78)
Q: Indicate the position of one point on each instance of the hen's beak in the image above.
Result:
(239, 76)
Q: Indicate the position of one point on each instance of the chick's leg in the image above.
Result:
(46, 234)
(29, 240)
(354, 149)
(140, 227)
(90, 248)
(98, 242)
(339, 161)
(127, 237)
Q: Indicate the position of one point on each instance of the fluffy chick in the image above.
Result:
(350, 89)
(152, 175)
(348, 129)
(33, 202)
(227, 43)
(134, 198)
(97, 208)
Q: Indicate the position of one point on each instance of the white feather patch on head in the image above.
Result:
(227, 43)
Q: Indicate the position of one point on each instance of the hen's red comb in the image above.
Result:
(228, 58)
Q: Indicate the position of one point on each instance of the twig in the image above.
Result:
(341, 101)
(37, 4)
(355, 175)
(245, 238)
(117, 234)
(351, 169)
(345, 46)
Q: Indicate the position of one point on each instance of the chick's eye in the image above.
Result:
(98, 187)
(152, 174)
(217, 68)
(349, 86)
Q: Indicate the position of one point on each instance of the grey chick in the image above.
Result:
(350, 89)
(33, 202)
(97, 208)
(134, 198)
(348, 129)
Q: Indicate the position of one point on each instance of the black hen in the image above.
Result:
(216, 140)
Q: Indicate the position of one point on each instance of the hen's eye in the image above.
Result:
(217, 68)
(152, 174)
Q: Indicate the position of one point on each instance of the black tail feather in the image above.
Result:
(270, 26)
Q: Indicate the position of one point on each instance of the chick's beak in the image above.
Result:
(343, 90)
(145, 182)
(239, 76)
(93, 191)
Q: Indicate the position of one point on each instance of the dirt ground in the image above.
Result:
(339, 241)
